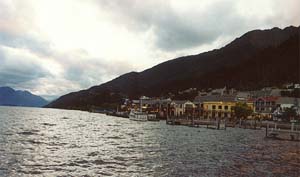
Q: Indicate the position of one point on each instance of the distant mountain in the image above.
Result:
(11, 97)
(258, 58)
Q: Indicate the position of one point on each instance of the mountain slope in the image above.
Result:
(11, 97)
(256, 59)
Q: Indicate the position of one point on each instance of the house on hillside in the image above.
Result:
(242, 96)
(260, 93)
(220, 91)
(276, 92)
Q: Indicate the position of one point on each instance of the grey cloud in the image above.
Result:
(178, 31)
(175, 32)
(17, 70)
(25, 41)
(197, 28)
(93, 71)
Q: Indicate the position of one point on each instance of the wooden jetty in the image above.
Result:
(219, 124)
(118, 114)
(280, 131)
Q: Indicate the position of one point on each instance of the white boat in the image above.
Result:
(138, 116)
(142, 116)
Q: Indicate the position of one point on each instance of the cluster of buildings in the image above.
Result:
(217, 103)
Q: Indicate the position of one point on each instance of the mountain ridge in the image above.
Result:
(11, 97)
(192, 71)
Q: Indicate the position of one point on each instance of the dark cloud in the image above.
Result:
(175, 31)
(195, 29)
(25, 41)
(17, 69)
(201, 24)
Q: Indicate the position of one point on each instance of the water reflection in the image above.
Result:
(53, 142)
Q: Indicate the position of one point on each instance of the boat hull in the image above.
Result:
(138, 117)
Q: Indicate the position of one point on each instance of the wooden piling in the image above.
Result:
(267, 127)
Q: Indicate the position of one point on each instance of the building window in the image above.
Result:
(220, 107)
(226, 107)
(273, 102)
(213, 106)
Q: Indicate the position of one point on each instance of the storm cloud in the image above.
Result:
(200, 23)
(19, 67)
(52, 47)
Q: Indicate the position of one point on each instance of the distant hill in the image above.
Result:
(11, 97)
(258, 58)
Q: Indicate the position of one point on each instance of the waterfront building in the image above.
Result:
(182, 108)
(218, 106)
(265, 106)
(282, 103)
(287, 102)
(221, 107)
(164, 108)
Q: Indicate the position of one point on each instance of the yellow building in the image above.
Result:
(212, 109)
(218, 106)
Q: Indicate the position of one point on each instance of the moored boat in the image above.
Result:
(138, 116)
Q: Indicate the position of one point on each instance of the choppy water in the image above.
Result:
(49, 142)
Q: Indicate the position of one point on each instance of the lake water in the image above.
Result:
(50, 142)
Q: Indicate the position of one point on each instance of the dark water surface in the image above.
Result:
(49, 142)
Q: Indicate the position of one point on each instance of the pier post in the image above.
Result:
(218, 123)
(267, 128)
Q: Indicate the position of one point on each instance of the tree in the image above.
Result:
(289, 113)
(242, 110)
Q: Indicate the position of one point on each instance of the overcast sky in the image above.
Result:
(52, 47)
